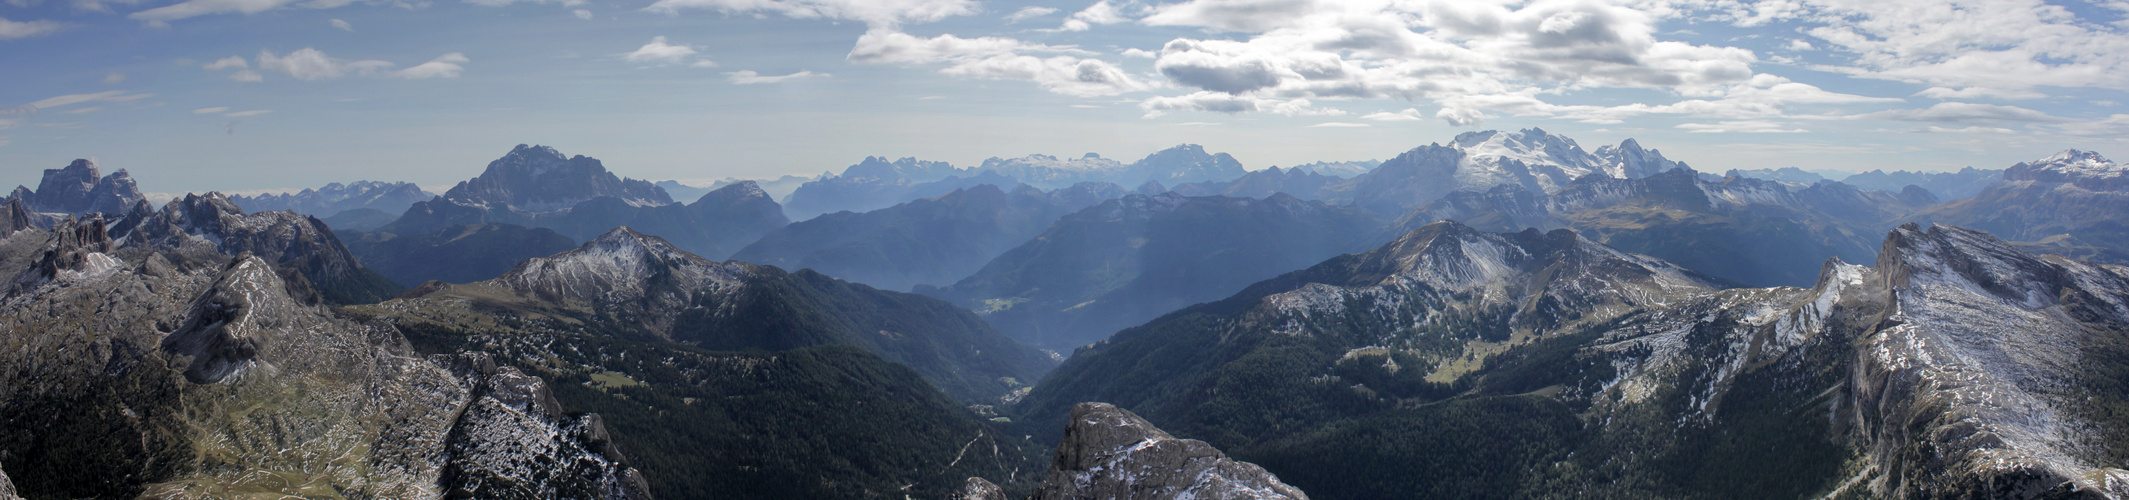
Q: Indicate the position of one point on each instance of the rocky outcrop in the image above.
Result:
(7, 488)
(1110, 453)
(177, 371)
(513, 428)
(538, 178)
(211, 224)
(80, 189)
(976, 489)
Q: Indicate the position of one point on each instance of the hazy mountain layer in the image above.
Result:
(333, 199)
(1128, 260)
(933, 241)
(457, 254)
(519, 189)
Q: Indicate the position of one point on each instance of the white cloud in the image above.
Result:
(192, 8)
(1058, 69)
(1218, 102)
(877, 13)
(1961, 112)
(114, 78)
(1741, 127)
(1026, 13)
(1408, 115)
(228, 62)
(1102, 12)
(2004, 44)
(10, 30)
(749, 77)
(247, 76)
(1977, 93)
(444, 66)
(500, 3)
(1141, 53)
(660, 52)
(209, 111)
(1339, 125)
(343, 25)
(241, 114)
(72, 99)
(582, 14)
(311, 64)
(1798, 44)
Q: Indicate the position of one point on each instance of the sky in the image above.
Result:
(249, 95)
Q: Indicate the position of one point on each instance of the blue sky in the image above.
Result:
(241, 95)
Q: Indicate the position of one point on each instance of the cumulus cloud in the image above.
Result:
(1339, 125)
(877, 13)
(1102, 12)
(661, 52)
(749, 77)
(1060, 69)
(581, 14)
(343, 25)
(1026, 13)
(10, 30)
(247, 76)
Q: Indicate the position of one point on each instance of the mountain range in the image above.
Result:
(536, 186)
(391, 198)
(928, 241)
(1128, 260)
(1464, 363)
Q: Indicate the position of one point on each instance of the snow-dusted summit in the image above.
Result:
(1534, 159)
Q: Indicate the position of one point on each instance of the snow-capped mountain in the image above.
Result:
(1478, 161)
(387, 197)
(2070, 203)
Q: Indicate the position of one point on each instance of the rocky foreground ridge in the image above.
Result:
(181, 360)
(1110, 453)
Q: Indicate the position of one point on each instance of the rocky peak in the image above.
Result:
(905, 169)
(2084, 169)
(1187, 163)
(1151, 187)
(1631, 161)
(80, 188)
(1918, 258)
(539, 178)
(618, 265)
(1108, 452)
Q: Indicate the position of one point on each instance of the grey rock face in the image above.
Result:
(181, 372)
(976, 489)
(538, 178)
(1110, 453)
(7, 488)
(211, 224)
(79, 189)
